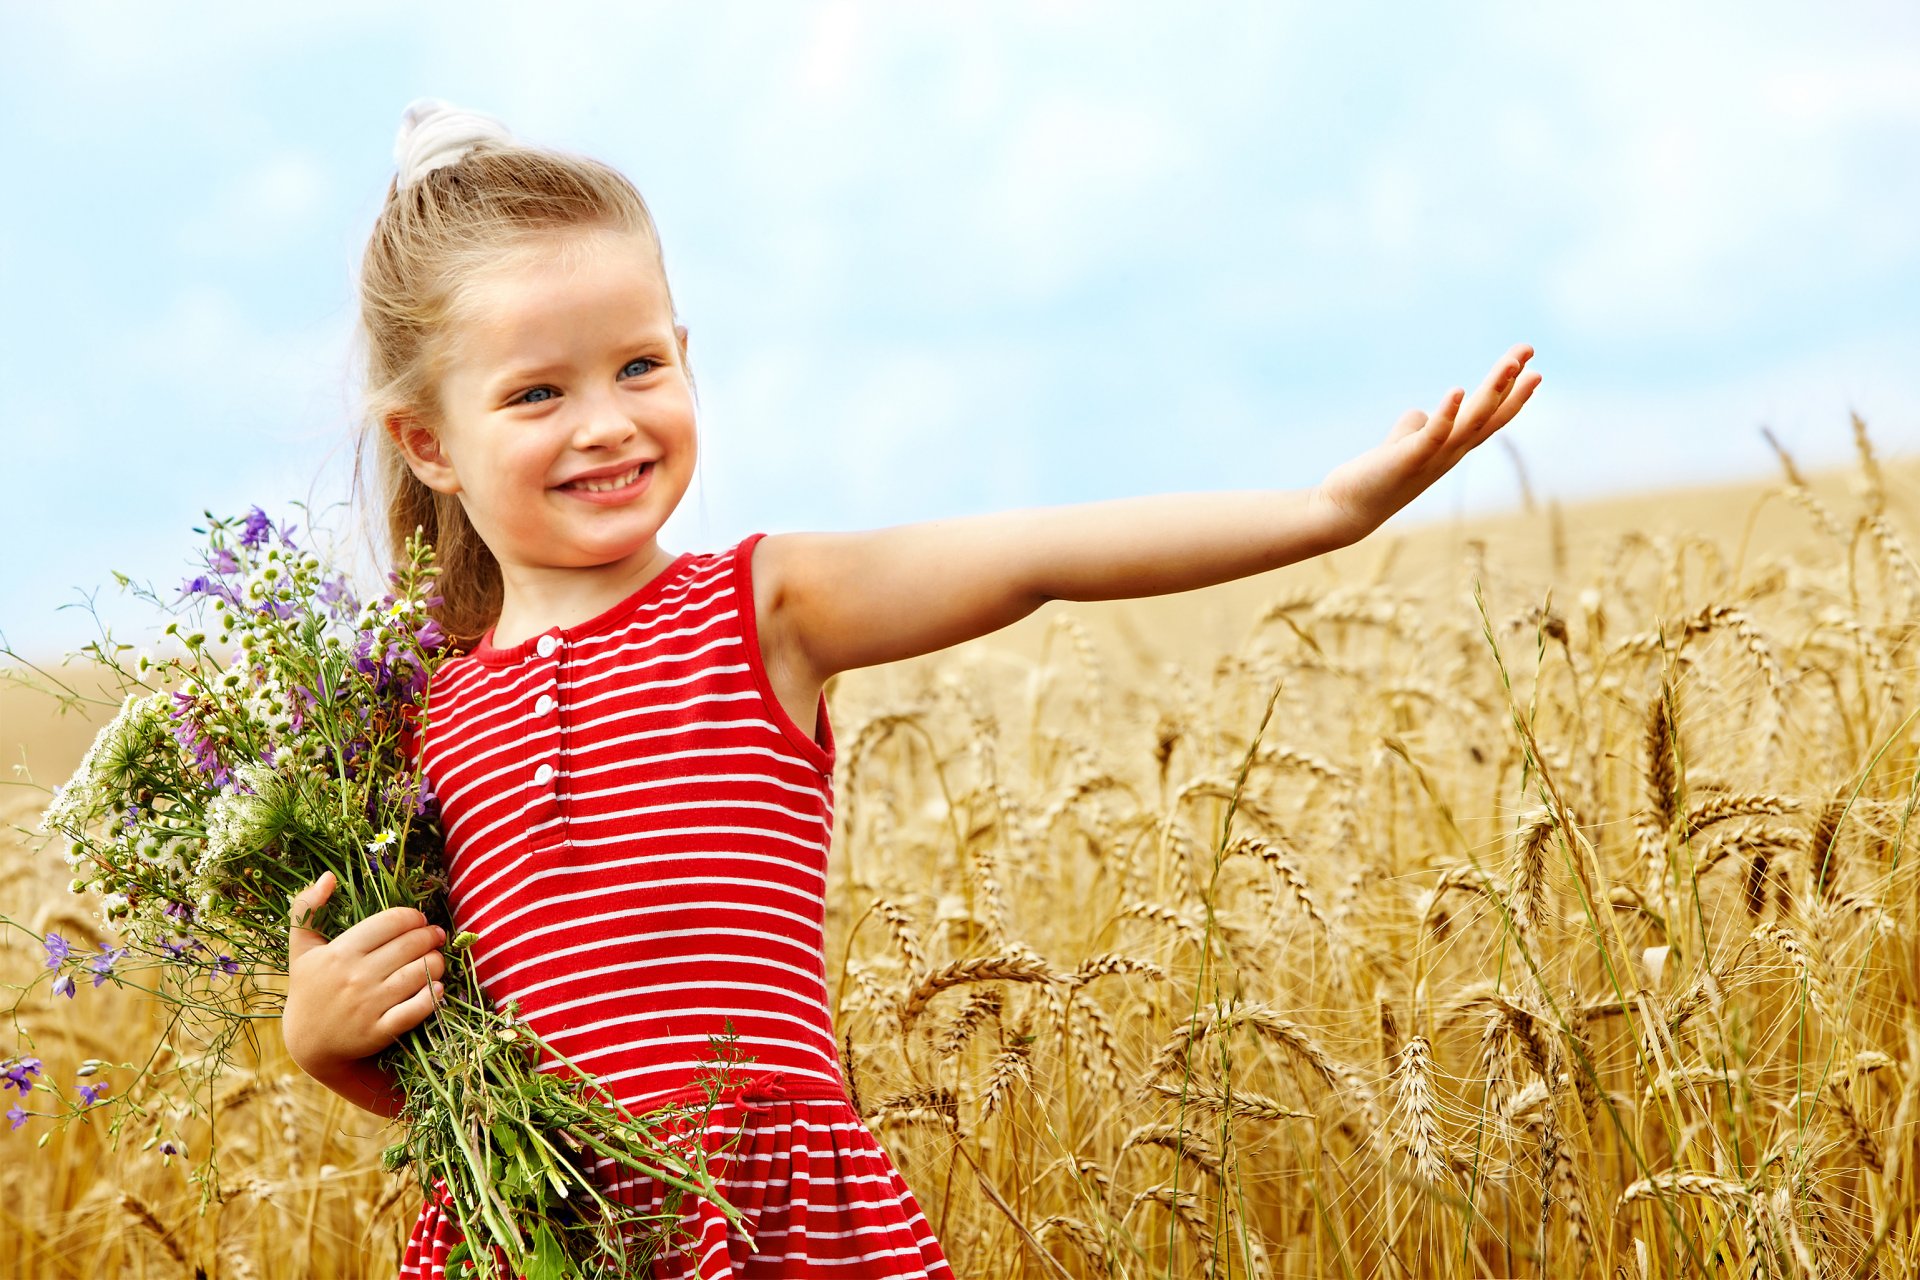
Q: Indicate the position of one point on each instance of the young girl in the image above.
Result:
(632, 755)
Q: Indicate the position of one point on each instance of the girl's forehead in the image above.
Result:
(532, 295)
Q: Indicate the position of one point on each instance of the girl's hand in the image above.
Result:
(352, 997)
(1358, 496)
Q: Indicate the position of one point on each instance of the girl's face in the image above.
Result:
(569, 419)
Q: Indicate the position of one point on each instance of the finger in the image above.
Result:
(1493, 392)
(301, 936)
(409, 980)
(1517, 397)
(377, 930)
(411, 1012)
(398, 952)
(1410, 421)
(1441, 423)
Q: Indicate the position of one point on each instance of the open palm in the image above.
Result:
(1358, 495)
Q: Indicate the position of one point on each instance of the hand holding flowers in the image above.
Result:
(232, 789)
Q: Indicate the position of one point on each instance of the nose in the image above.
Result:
(603, 423)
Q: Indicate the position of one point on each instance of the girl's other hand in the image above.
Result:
(352, 997)
(1359, 495)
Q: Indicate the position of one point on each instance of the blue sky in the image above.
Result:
(940, 259)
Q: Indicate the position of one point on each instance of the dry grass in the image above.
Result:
(1575, 938)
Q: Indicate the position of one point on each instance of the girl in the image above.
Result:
(633, 755)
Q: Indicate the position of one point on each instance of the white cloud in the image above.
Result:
(271, 208)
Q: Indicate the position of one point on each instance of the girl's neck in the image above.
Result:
(534, 600)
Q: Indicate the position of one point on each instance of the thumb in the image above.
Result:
(302, 937)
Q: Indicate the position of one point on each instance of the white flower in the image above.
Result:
(115, 752)
(385, 840)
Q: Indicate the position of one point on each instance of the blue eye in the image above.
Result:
(526, 397)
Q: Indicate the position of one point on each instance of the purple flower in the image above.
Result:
(181, 948)
(63, 985)
(102, 964)
(20, 1073)
(168, 1149)
(17, 1116)
(223, 561)
(227, 964)
(194, 740)
(181, 911)
(58, 949)
(335, 594)
(90, 1093)
(203, 585)
(258, 527)
(430, 636)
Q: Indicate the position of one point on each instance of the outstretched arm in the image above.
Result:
(848, 600)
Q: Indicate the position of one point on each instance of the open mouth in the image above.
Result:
(610, 484)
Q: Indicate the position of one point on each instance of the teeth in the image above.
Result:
(610, 482)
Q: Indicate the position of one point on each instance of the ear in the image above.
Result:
(423, 452)
(680, 332)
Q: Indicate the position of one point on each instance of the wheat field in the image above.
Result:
(1526, 897)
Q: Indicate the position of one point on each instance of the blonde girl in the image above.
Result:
(632, 751)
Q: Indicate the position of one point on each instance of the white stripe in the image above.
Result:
(649, 1042)
(823, 1077)
(479, 909)
(666, 908)
(553, 1011)
(646, 1016)
(588, 895)
(471, 911)
(676, 962)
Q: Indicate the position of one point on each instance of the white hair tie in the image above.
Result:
(434, 134)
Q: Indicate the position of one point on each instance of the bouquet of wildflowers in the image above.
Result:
(226, 785)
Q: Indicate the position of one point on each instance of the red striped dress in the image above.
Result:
(638, 832)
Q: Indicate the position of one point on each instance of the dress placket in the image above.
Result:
(546, 823)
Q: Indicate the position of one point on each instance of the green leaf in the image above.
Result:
(549, 1261)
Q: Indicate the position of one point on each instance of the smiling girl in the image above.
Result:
(633, 753)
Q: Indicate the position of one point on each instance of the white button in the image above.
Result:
(547, 645)
(543, 775)
(543, 706)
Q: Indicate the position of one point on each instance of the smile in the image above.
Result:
(611, 488)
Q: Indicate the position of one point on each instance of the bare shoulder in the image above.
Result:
(777, 574)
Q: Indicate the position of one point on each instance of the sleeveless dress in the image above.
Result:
(638, 832)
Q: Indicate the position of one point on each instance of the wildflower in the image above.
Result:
(181, 911)
(20, 1073)
(223, 561)
(334, 593)
(257, 529)
(102, 964)
(194, 740)
(63, 985)
(90, 1093)
(17, 1116)
(181, 948)
(58, 949)
(227, 964)
(114, 753)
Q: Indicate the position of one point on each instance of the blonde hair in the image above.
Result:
(430, 239)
